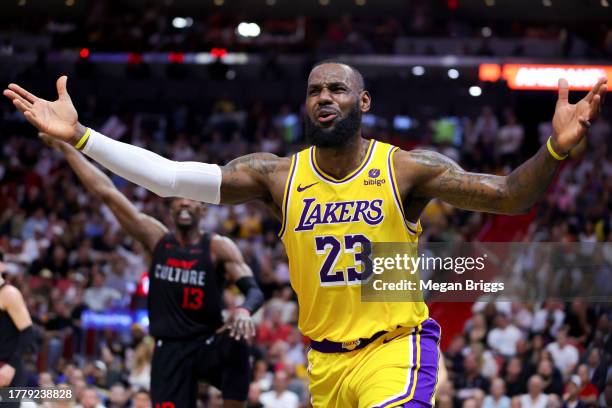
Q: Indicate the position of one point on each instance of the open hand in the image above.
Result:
(240, 324)
(571, 121)
(58, 119)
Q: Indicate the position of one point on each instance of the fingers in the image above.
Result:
(563, 91)
(62, 90)
(15, 96)
(222, 329)
(596, 89)
(23, 93)
(595, 106)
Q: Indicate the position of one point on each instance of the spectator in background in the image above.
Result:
(89, 399)
(497, 397)
(279, 396)
(140, 373)
(564, 355)
(118, 397)
(572, 390)
(534, 398)
(515, 377)
(509, 139)
(99, 297)
(141, 399)
(504, 337)
(471, 381)
(588, 392)
(552, 380)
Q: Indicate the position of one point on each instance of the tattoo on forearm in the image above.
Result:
(485, 192)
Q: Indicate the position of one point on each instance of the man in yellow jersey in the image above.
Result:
(333, 198)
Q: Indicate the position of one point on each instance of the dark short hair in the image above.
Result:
(358, 76)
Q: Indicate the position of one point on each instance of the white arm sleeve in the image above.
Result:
(166, 178)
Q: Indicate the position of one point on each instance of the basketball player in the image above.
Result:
(332, 199)
(16, 335)
(185, 295)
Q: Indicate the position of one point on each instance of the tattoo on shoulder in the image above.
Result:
(433, 160)
(262, 163)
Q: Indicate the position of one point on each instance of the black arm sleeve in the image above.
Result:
(26, 344)
(253, 295)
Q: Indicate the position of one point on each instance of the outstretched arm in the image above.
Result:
(227, 253)
(243, 179)
(432, 175)
(144, 228)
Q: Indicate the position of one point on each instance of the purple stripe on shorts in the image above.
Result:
(428, 367)
(429, 363)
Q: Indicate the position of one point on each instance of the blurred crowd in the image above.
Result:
(120, 26)
(68, 255)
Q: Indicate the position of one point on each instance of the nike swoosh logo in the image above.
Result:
(300, 188)
(391, 339)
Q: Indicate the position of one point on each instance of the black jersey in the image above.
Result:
(185, 290)
(9, 334)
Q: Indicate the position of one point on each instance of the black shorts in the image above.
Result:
(178, 365)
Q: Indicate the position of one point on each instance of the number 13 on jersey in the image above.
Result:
(333, 248)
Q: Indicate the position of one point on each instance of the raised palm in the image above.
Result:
(58, 119)
(571, 121)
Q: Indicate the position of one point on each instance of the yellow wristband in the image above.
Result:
(83, 140)
(551, 151)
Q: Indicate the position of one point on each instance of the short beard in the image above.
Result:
(336, 136)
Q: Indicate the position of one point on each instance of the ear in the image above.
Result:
(365, 101)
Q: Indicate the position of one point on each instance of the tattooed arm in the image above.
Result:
(437, 176)
(251, 177)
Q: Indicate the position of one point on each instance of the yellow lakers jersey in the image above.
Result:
(326, 223)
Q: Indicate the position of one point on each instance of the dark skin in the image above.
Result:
(186, 215)
(421, 175)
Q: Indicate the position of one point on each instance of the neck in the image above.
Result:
(341, 161)
(187, 236)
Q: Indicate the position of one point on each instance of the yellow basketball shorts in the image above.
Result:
(399, 369)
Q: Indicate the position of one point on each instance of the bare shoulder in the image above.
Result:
(9, 295)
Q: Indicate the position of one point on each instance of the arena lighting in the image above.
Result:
(176, 57)
(475, 91)
(69, 3)
(546, 77)
(547, 3)
(360, 2)
(270, 2)
(490, 3)
(182, 22)
(604, 3)
(248, 30)
(418, 70)
(324, 2)
(489, 72)
(21, 3)
(218, 52)
(134, 58)
(453, 73)
(219, 2)
(84, 53)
